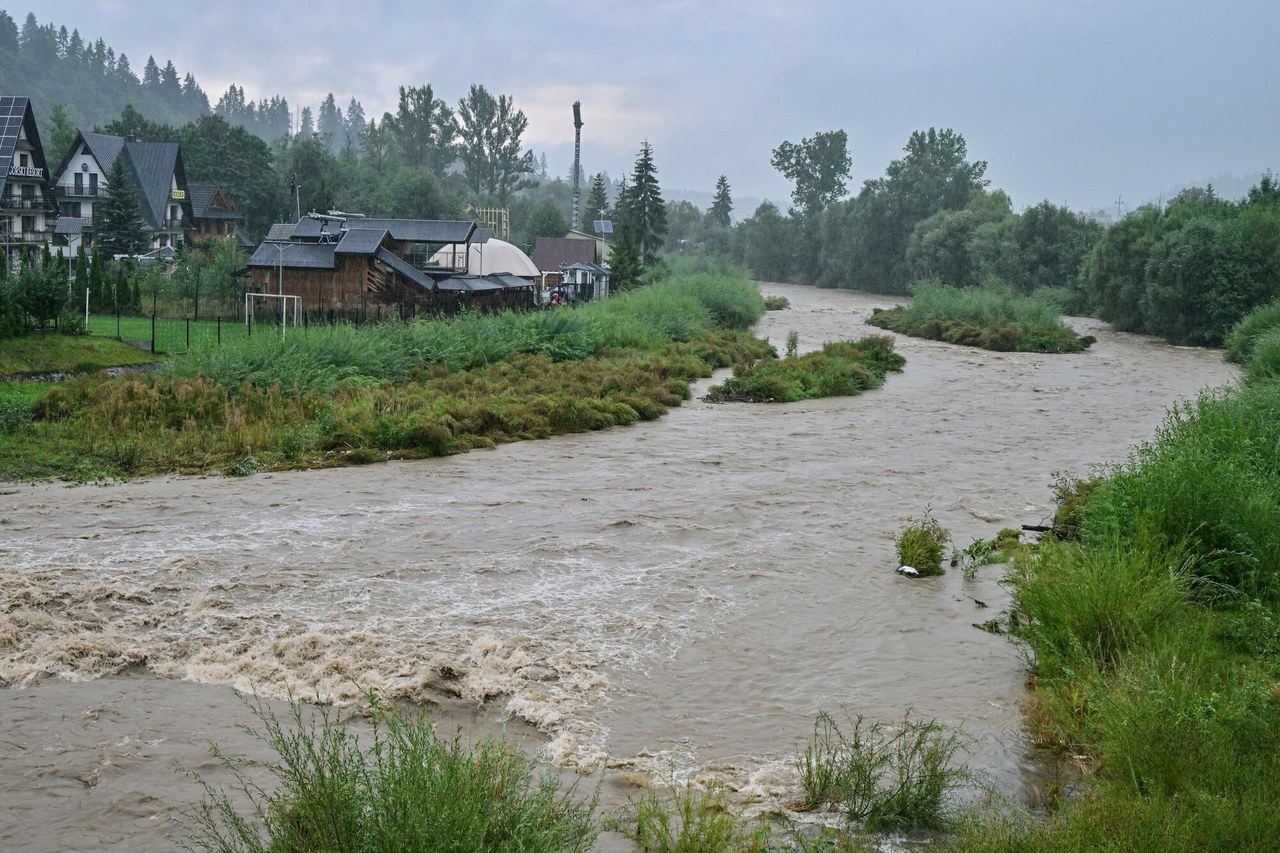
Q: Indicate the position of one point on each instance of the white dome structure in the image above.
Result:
(491, 256)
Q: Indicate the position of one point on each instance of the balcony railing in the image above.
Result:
(14, 238)
(79, 192)
(8, 202)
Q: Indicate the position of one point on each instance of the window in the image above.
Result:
(79, 183)
(24, 160)
(93, 183)
(29, 224)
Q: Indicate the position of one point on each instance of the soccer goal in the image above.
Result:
(289, 304)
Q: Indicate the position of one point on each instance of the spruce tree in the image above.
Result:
(722, 206)
(118, 217)
(625, 263)
(597, 205)
(645, 209)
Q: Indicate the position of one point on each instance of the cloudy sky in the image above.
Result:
(1082, 102)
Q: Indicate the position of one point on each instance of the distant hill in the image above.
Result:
(50, 65)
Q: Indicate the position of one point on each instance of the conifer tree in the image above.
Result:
(597, 205)
(646, 212)
(118, 218)
(722, 206)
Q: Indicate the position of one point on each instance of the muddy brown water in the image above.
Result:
(678, 598)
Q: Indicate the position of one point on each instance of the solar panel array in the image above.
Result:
(603, 226)
(12, 111)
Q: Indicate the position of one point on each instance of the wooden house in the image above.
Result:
(344, 267)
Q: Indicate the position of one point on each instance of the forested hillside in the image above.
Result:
(88, 80)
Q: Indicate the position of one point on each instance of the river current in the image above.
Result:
(680, 597)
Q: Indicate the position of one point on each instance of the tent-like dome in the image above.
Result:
(491, 256)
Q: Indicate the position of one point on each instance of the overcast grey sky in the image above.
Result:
(1077, 101)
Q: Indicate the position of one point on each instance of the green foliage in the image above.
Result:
(489, 132)
(843, 368)
(722, 205)
(347, 395)
(991, 317)
(689, 819)
(642, 208)
(1209, 481)
(920, 544)
(819, 166)
(776, 303)
(40, 289)
(118, 225)
(887, 777)
(399, 788)
(1243, 337)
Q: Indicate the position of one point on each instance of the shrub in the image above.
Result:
(920, 543)
(1260, 322)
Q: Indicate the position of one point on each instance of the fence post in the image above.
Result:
(188, 334)
(219, 330)
(153, 333)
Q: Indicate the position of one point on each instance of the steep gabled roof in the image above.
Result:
(152, 168)
(552, 254)
(155, 167)
(316, 256)
(361, 241)
(208, 201)
(17, 119)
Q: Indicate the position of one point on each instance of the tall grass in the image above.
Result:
(884, 777)
(991, 317)
(1156, 642)
(684, 818)
(841, 368)
(399, 788)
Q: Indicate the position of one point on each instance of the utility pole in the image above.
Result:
(577, 160)
(1119, 207)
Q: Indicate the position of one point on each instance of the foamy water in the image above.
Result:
(679, 596)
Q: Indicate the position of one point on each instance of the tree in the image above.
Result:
(422, 130)
(354, 125)
(545, 220)
(489, 130)
(61, 131)
(722, 206)
(306, 127)
(645, 211)
(597, 205)
(819, 167)
(41, 289)
(626, 267)
(329, 124)
(118, 217)
(764, 235)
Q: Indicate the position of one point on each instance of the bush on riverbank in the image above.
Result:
(399, 788)
(843, 368)
(1155, 642)
(989, 318)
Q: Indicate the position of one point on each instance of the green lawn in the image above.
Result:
(50, 353)
(171, 335)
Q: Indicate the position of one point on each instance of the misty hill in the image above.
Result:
(52, 66)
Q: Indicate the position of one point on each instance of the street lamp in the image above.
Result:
(280, 247)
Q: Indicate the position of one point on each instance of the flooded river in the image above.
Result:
(681, 596)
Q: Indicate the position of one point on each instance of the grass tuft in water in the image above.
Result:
(400, 788)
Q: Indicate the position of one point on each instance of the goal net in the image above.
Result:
(286, 307)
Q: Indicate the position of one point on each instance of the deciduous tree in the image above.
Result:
(819, 166)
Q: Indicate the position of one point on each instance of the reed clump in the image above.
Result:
(398, 787)
(843, 368)
(990, 317)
